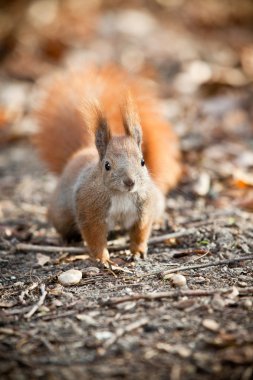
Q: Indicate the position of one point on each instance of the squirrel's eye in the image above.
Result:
(142, 162)
(107, 166)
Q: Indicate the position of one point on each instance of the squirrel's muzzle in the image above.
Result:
(129, 183)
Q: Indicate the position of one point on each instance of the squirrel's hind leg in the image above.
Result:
(63, 221)
(67, 228)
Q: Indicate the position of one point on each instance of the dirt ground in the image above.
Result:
(117, 324)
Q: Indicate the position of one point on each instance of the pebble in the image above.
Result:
(247, 304)
(128, 291)
(177, 280)
(182, 351)
(103, 335)
(70, 277)
(210, 324)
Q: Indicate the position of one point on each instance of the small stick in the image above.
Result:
(173, 235)
(176, 294)
(77, 250)
(39, 303)
(216, 263)
(26, 291)
(49, 249)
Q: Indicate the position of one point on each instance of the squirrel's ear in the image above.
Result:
(97, 125)
(102, 136)
(131, 121)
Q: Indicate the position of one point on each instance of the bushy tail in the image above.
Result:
(62, 130)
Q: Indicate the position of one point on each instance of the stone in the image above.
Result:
(70, 277)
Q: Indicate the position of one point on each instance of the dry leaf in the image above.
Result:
(42, 259)
(243, 179)
(56, 291)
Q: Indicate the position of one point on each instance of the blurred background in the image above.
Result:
(198, 53)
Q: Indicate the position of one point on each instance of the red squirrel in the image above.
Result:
(117, 157)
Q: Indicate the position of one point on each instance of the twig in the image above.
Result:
(201, 257)
(112, 248)
(26, 292)
(173, 235)
(49, 249)
(123, 330)
(39, 303)
(176, 294)
(215, 263)
(216, 217)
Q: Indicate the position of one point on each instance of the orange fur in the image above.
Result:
(64, 120)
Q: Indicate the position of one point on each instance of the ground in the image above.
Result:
(117, 324)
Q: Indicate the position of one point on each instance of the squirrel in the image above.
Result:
(99, 129)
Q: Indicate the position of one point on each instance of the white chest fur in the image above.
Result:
(122, 211)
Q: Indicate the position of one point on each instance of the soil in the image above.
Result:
(115, 323)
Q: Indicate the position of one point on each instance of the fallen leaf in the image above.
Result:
(56, 291)
(42, 259)
(243, 179)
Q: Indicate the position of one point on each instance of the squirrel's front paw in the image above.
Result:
(139, 251)
(103, 257)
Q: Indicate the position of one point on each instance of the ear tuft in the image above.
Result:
(131, 120)
(102, 137)
(97, 125)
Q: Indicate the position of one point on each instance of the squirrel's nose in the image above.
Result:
(129, 183)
